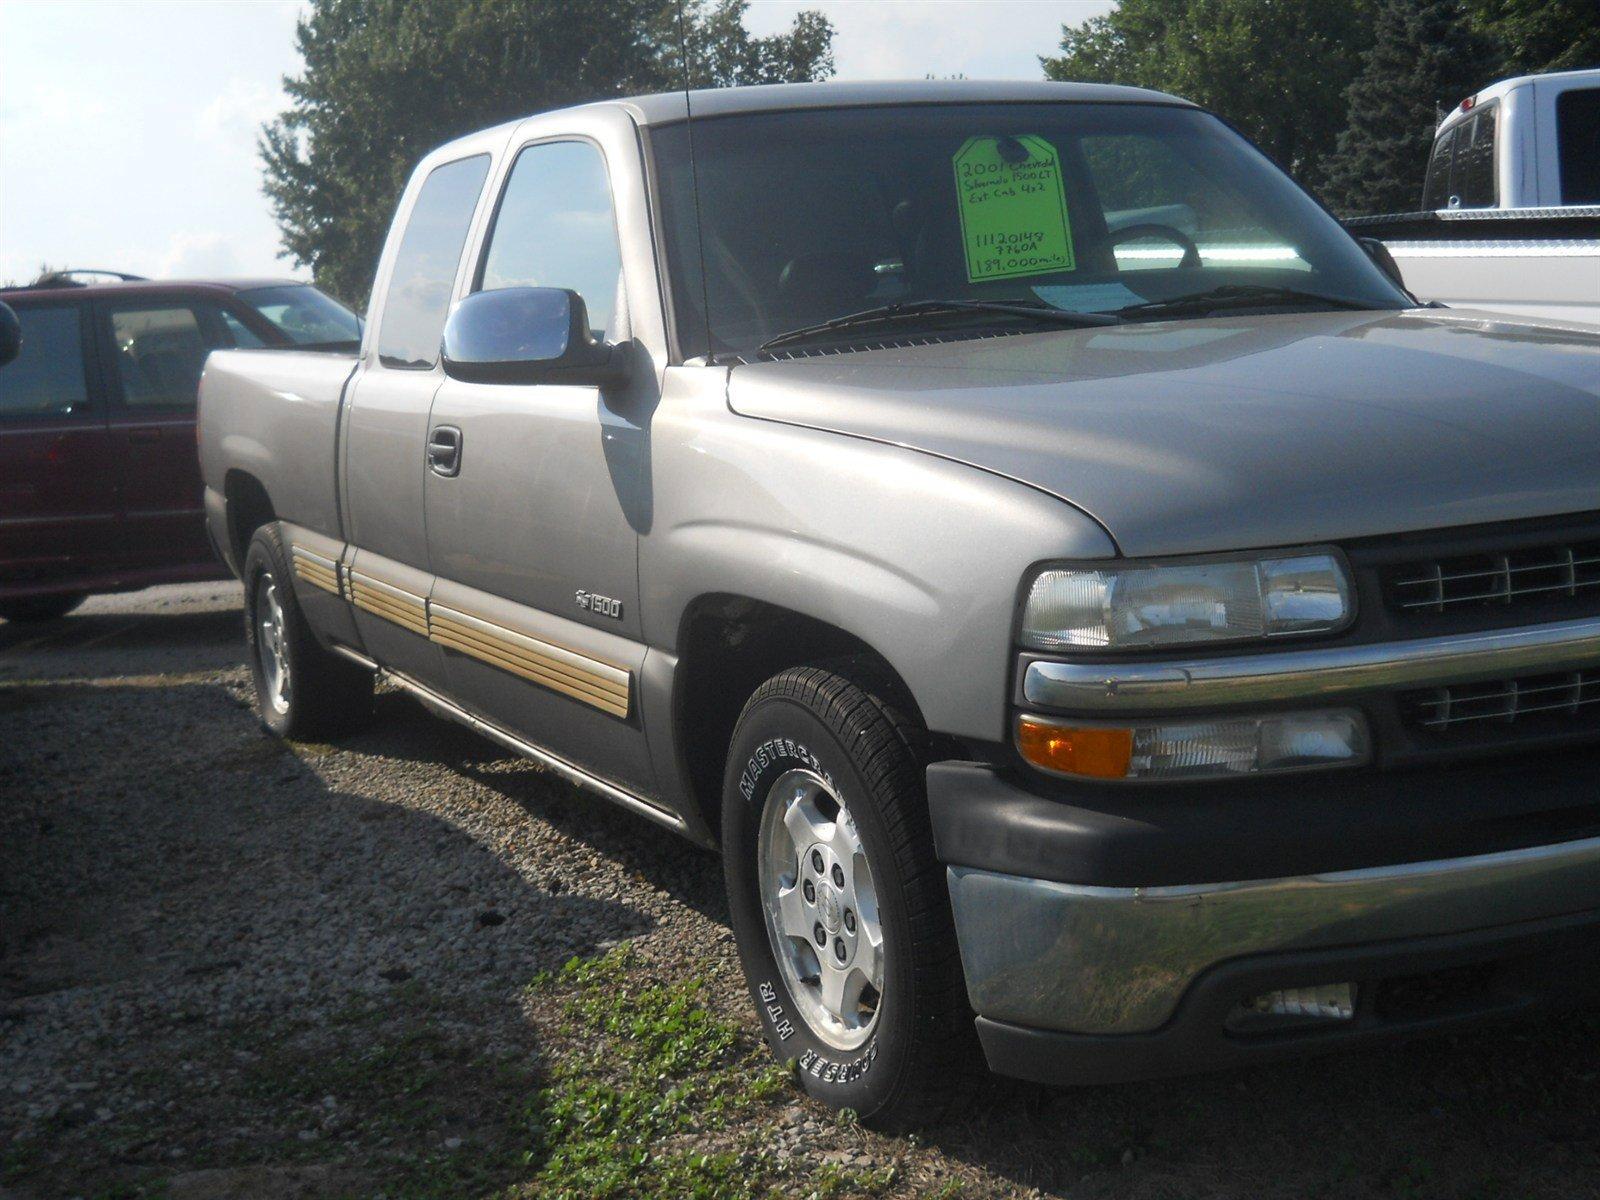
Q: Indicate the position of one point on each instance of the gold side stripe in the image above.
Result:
(418, 629)
(382, 605)
(614, 682)
(589, 689)
(399, 594)
(526, 643)
(316, 576)
(315, 569)
(617, 708)
(558, 668)
(384, 608)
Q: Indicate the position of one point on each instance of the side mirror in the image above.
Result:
(10, 335)
(528, 335)
(1379, 253)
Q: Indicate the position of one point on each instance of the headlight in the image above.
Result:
(1130, 607)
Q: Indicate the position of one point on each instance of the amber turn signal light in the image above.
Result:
(1098, 753)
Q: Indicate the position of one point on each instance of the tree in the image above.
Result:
(1539, 35)
(384, 81)
(1425, 59)
(1277, 69)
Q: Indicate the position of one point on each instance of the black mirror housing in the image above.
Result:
(529, 335)
(1379, 253)
(10, 335)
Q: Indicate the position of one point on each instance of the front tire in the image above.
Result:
(838, 904)
(303, 690)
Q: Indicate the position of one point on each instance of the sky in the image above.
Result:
(128, 127)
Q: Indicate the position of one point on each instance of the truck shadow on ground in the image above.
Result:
(210, 958)
(90, 644)
(404, 730)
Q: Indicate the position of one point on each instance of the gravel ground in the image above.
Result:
(231, 967)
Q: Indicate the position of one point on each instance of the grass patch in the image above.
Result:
(667, 1099)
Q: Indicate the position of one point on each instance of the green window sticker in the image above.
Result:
(1013, 208)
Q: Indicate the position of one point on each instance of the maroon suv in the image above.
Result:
(99, 483)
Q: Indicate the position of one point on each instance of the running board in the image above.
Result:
(569, 771)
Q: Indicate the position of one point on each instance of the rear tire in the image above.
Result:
(839, 907)
(303, 690)
(40, 608)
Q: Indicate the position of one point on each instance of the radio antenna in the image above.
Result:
(694, 178)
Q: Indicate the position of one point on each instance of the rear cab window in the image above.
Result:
(1578, 145)
(1473, 175)
(417, 299)
(1436, 191)
(48, 379)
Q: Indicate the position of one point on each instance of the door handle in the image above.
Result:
(444, 451)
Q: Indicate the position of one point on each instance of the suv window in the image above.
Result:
(418, 298)
(555, 228)
(1578, 145)
(1436, 191)
(1472, 177)
(160, 353)
(304, 315)
(47, 378)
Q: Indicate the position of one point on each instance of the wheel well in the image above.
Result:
(249, 508)
(730, 646)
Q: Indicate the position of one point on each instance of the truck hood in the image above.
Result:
(1237, 432)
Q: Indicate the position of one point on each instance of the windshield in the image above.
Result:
(812, 215)
(305, 315)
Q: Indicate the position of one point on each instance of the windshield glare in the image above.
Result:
(306, 316)
(808, 216)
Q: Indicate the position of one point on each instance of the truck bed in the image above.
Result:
(1529, 262)
(274, 415)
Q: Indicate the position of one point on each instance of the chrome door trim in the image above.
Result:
(1308, 674)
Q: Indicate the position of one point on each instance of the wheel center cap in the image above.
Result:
(828, 903)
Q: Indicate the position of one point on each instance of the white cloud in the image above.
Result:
(911, 39)
(198, 254)
(235, 115)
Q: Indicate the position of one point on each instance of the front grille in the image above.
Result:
(1570, 700)
(1544, 576)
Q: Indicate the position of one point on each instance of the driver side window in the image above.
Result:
(555, 228)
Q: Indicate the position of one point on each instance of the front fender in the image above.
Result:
(919, 557)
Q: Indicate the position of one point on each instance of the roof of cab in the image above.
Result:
(664, 108)
(144, 286)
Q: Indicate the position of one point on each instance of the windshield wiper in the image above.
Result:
(1238, 295)
(892, 314)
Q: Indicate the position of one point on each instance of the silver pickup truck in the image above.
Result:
(1173, 649)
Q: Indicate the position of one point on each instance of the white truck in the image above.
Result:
(1511, 203)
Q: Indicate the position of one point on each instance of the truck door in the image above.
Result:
(154, 351)
(532, 527)
(386, 425)
(58, 491)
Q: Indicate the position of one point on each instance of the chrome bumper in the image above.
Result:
(1308, 674)
(1105, 960)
